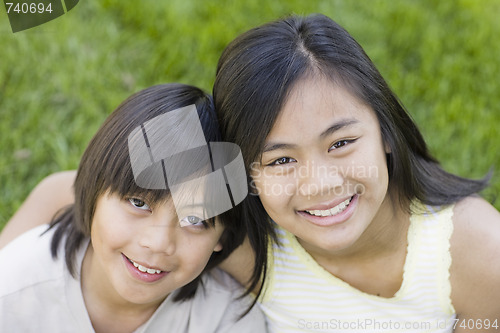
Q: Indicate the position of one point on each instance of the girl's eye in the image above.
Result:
(340, 144)
(283, 160)
(192, 220)
(138, 203)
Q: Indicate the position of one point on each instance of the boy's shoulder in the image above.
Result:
(475, 251)
(220, 289)
(216, 307)
(216, 280)
(37, 293)
(26, 261)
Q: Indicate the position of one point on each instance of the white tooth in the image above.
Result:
(332, 211)
(144, 269)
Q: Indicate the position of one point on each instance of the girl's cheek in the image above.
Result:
(277, 192)
(273, 184)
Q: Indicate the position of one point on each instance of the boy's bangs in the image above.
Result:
(192, 196)
(125, 186)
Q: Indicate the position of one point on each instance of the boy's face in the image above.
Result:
(140, 254)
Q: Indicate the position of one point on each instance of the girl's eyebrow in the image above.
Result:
(270, 146)
(277, 146)
(337, 126)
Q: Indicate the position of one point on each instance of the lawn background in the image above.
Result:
(59, 81)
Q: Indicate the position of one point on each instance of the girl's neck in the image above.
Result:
(386, 234)
(380, 253)
(107, 311)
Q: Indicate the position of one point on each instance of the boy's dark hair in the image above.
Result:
(257, 71)
(105, 166)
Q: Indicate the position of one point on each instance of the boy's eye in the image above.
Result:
(138, 203)
(283, 160)
(191, 220)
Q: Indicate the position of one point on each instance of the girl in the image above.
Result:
(122, 258)
(371, 233)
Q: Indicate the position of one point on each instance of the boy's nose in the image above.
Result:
(159, 238)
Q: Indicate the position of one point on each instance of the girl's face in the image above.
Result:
(323, 174)
(140, 254)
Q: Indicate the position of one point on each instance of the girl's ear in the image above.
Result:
(218, 247)
(252, 189)
(387, 148)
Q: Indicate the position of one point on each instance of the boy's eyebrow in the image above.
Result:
(269, 146)
(195, 208)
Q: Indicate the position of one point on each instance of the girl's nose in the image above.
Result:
(320, 179)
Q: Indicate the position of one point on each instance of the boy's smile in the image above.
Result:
(143, 273)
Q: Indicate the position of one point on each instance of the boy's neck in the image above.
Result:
(106, 310)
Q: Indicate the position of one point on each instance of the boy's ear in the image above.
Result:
(218, 247)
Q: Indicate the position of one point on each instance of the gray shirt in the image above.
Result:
(37, 294)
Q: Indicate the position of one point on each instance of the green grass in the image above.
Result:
(59, 81)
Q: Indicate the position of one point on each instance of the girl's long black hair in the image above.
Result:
(257, 71)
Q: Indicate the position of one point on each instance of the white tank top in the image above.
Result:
(301, 296)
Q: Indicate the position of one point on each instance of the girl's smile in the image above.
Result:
(324, 216)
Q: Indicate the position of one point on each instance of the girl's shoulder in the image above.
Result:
(476, 225)
(475, 251)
